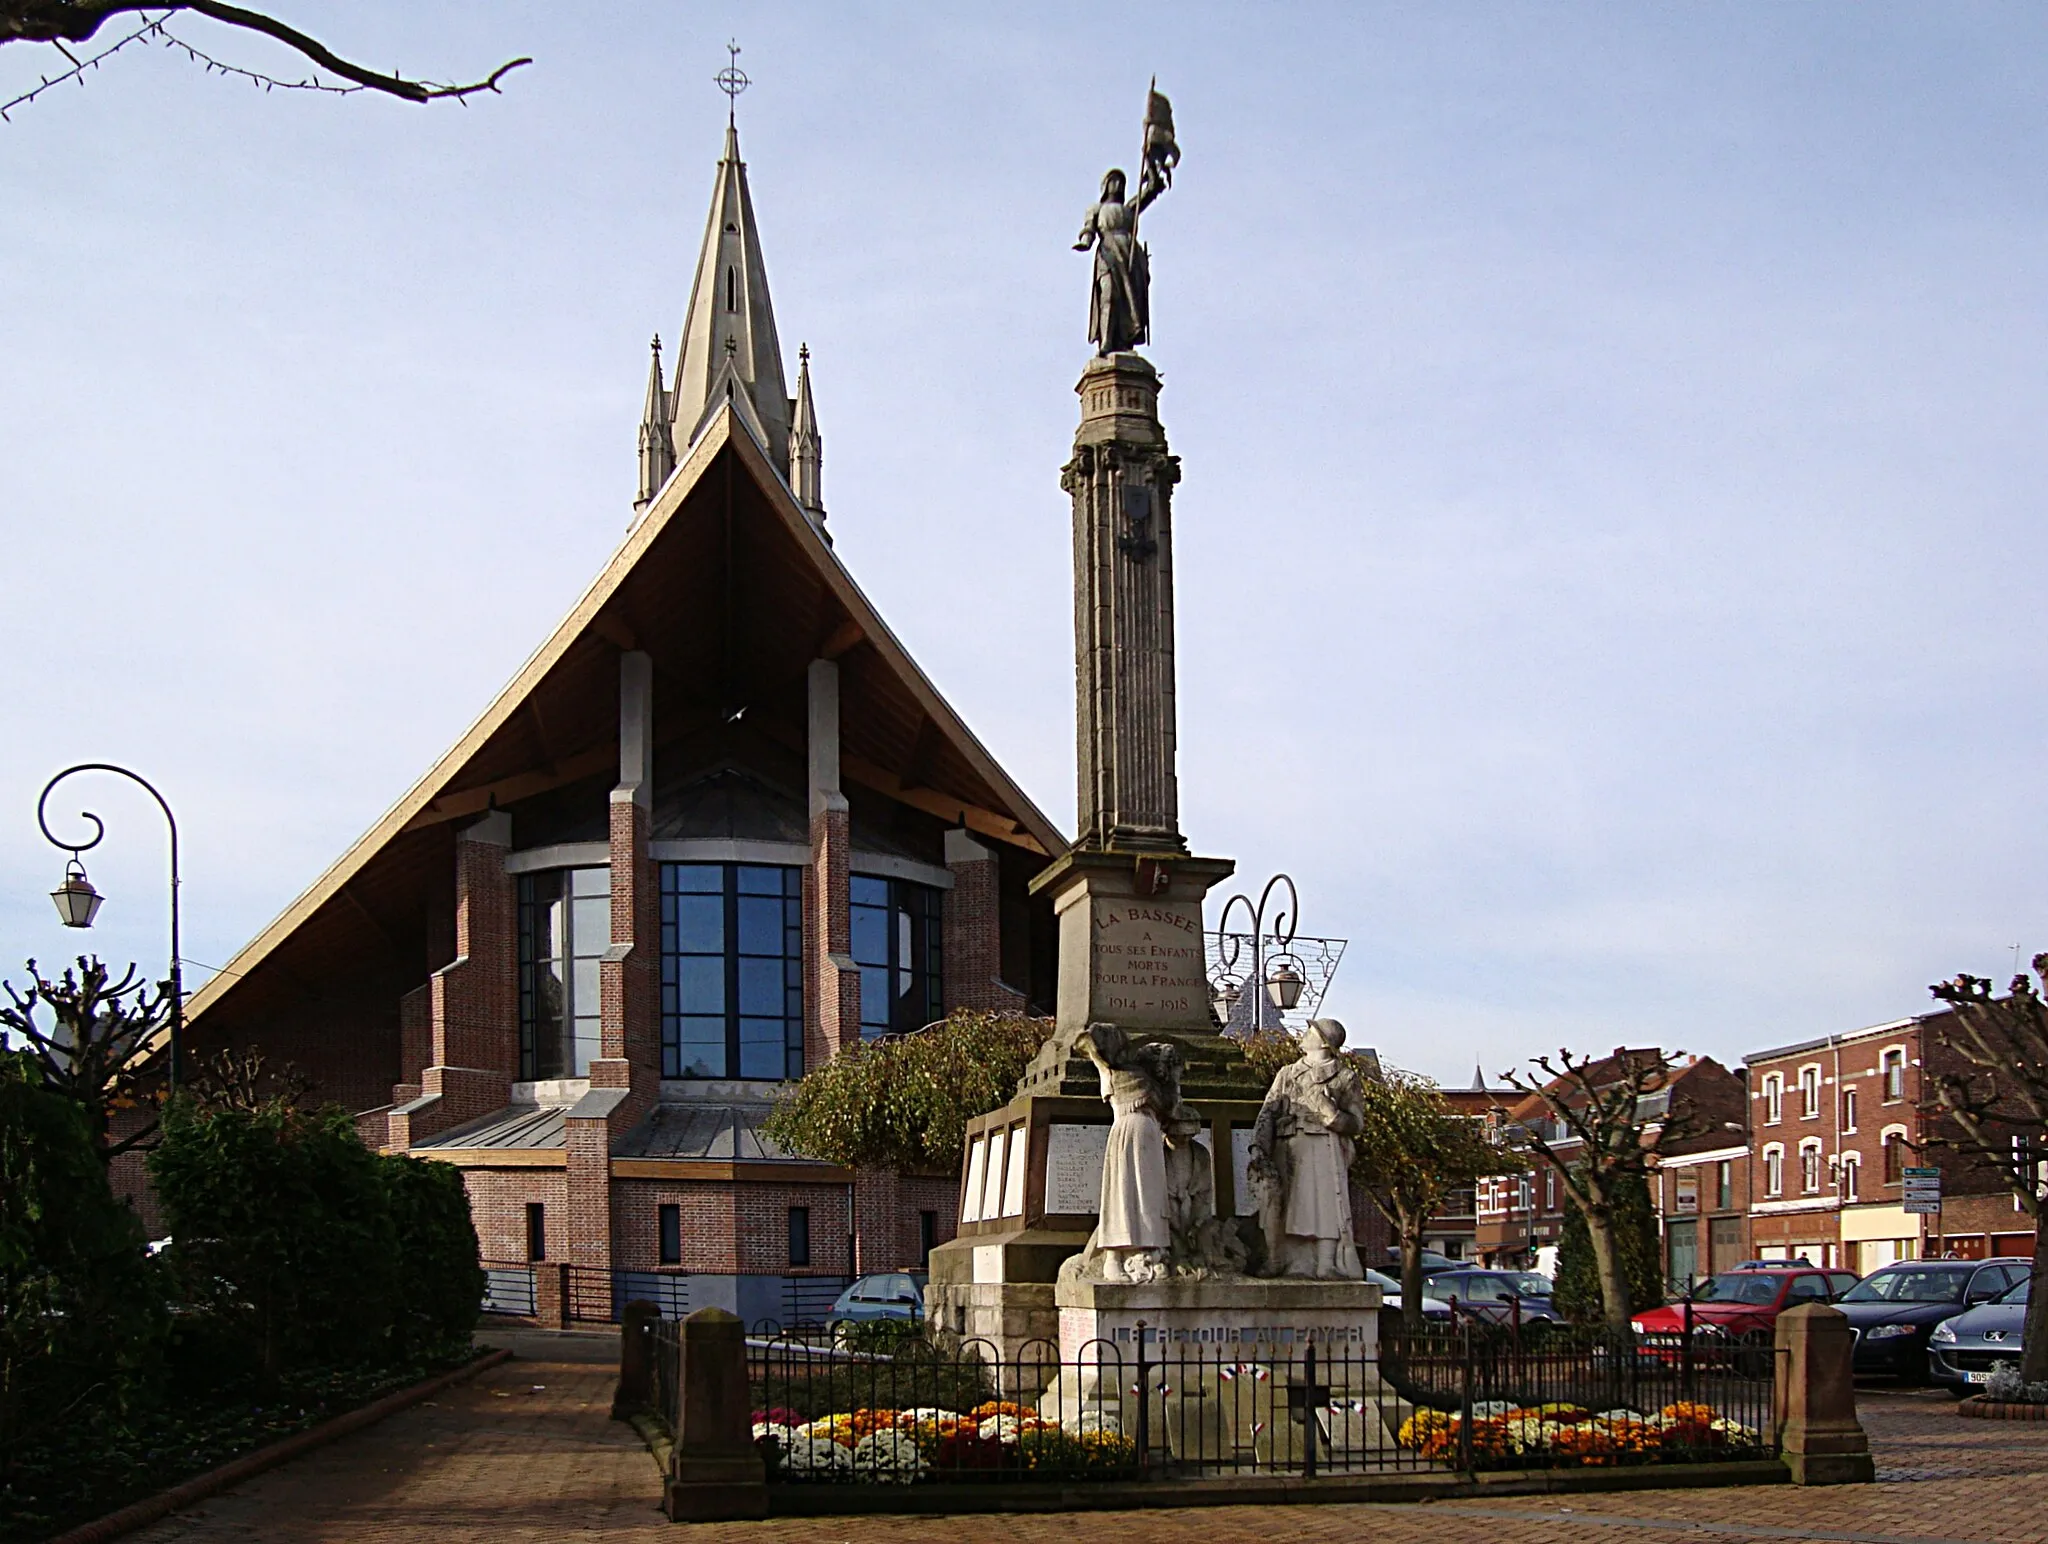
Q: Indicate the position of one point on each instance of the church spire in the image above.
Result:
(806, 445)
(730, 351)
(657, 436)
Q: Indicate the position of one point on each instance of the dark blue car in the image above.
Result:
(1894, 1311)
(1493, 1295)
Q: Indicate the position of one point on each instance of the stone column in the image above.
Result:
(1822, 1441)
(472, 1004)
(1121, 481)
(831, 980)
(971, 945)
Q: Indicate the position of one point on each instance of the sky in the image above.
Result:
(1610, 438)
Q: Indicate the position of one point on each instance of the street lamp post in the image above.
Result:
(77, 902)
(1283, 980)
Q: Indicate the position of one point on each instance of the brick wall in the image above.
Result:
(729, 1228)
(497, 1208)
(473, 1002)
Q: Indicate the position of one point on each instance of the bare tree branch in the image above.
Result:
(60, 21)
(94, 1052)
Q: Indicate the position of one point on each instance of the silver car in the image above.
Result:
(1963, 1352)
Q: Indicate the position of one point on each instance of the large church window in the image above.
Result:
(731, 971)
(896, 931)
(565, 926)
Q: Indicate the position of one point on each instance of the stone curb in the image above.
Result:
(199, 1487)
(1977, 1407)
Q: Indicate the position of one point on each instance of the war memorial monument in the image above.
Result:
(1143, 1184)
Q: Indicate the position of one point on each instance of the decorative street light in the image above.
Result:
(78, 902)
(1282, 976)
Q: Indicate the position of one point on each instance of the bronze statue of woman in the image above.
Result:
(1120, 304)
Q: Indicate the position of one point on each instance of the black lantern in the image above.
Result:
(77, 901)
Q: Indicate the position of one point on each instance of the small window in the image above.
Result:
(799, 1235)
(1774, 1099)
(1774, 1171)
(1894, 1157)
(927, 1233)
(1852, 1178)
(671, 1219)
(1809, 1092)
(896, 943)
(1892, 1068)
(732, 289)
(1550, 1190)
(1724, 1186)
(1848, 1109)
(536, 1231)
(1809, 1168)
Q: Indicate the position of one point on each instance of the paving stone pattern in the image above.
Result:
(502, 1460)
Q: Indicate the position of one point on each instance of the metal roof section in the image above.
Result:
(520, 1127)
(725, 1133)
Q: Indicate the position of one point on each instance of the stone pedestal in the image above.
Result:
(715, 1472)
(1230, 1369)
(1822, 1441)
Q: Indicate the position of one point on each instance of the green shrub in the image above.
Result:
(440, 1284)
(282, 1230)
(80, 1313)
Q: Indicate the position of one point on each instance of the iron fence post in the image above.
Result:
(1465, 1397)
(1144, 1405)
(1685, 1349)
(1308, 1415)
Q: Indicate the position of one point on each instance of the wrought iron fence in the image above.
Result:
(1445, 1399)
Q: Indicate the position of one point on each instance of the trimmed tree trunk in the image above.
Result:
(1607, 1262)
(2034, 1353)
(1411, 1272)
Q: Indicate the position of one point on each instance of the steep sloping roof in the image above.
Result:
(742, 604)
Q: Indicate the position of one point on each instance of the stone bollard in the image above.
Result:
(636, 1360)
(715, 1471)
(1822, 1441)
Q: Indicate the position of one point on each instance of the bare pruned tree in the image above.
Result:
(1989, 1104)
(95, 1050)
(61, 23)
(245, 1081)
(1614, 1117)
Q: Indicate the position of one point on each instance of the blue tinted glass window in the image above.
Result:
(896, 937)
(565, 926)
(731, 971)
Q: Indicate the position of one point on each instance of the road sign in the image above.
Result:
(1921, 1192)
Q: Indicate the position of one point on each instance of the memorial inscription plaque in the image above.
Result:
(1146, 961)
(1073, 1169)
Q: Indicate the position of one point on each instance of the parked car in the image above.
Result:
(1969, 1348)
(1745, 1301)
(1432, 1263)
(1492, 1295)
(882, 1295)
(1390, 1295)
(1895, 1310)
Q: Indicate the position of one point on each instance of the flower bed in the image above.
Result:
(903, 1446)
(1522, 1436)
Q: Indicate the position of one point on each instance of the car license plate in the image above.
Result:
(1976, 1377)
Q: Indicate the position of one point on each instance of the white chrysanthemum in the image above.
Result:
(818, 1457)
(888, 1456)
(1095, 1420)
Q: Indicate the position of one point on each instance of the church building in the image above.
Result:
(719, 827)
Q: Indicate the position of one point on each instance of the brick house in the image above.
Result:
(1833, 1123)
(718, 827)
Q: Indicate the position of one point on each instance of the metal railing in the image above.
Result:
(510, 1289)
(1441, 1399)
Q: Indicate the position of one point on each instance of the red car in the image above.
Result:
(1737, 1303)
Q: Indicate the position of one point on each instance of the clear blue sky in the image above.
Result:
(1612, 441)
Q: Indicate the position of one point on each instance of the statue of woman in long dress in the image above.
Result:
(1120, 304)
(1142, 1085)
(1301, 1160)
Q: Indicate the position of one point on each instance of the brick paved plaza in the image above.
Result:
(526, 1451)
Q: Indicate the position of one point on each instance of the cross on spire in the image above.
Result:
(732, 80)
